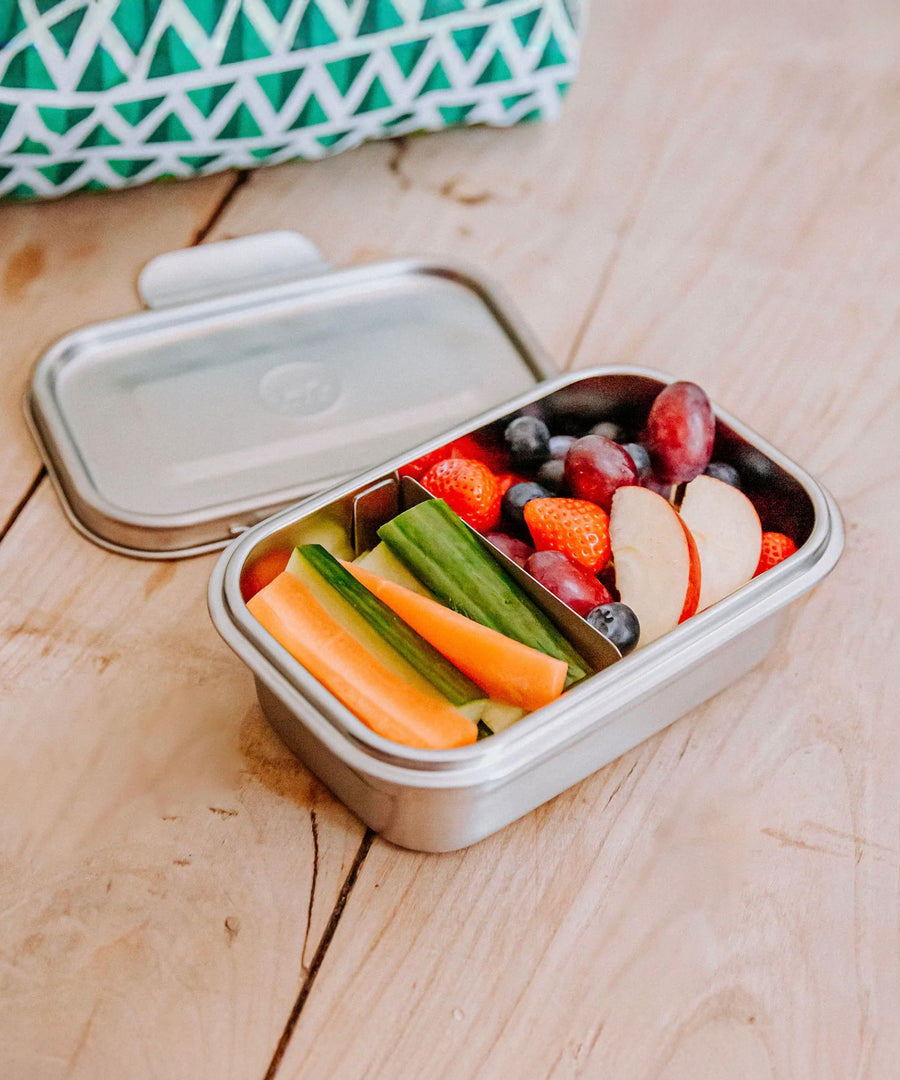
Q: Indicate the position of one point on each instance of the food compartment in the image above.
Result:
(695, 505)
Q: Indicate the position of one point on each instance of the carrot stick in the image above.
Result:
(506, 670)
(382, 700)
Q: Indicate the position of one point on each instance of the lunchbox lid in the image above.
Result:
(260, 376)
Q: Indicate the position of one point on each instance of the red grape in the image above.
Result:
(569, 582)
(655, 484)
(514, 549)
(596, 467)
(680, 432)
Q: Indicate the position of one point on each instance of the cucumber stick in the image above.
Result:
(394, 632)
(498, 716)
(438, 547)
(383, 562)
(350, 619)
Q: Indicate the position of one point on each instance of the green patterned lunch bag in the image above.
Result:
(98, 94)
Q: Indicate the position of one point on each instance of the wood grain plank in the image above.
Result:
(68, 263)
(166, 866)
(721, 901)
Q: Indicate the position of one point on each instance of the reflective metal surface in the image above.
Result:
(169, 432)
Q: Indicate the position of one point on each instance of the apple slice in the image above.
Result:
(726, 529)
(656, 561)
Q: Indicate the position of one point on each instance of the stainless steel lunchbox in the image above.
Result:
(442, 800)
(264, 328)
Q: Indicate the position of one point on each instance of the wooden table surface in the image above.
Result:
(180, 898)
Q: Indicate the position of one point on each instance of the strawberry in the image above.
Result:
(466, 447)
(576, 527)
(775, 548)
(417, 469)
(469, 488)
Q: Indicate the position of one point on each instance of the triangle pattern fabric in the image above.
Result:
(434, 9)
(99, 136)
(7, 112)
(172, 57)
(524, 24)
(133, 19)
(378, 15)
(31, 146)
(314, 28)
(552, 54)
(279, 8)
(170, 129)
(12, 22)
(97, 95)
(244, 43)
(100, 73)
(376, 97)
(408, 54)
(27, 69)
(437, 79)
(311, 115)
(279, 86)
(495, 70)
(208, 97)
(198, 162)
(61, 121)
(133, 112)
(60, 171)
(129, 168)
(344, 72)
(207, 13)
(65, 31)
(469, 38)
(242, 125)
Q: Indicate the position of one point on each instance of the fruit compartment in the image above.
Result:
(779, 497)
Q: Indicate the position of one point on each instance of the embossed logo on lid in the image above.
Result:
(301, 388)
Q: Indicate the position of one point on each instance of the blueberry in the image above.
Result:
(528, 440)
(728, 474)
(609, 429)
(515, 498)
(618, 623)
(552, 474)
(639, 456)
(559, 446)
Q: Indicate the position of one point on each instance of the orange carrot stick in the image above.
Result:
(505, 669)
(382, 700)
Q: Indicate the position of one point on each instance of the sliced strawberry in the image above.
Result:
(775, 549)
(469, 488)
(576, 527)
